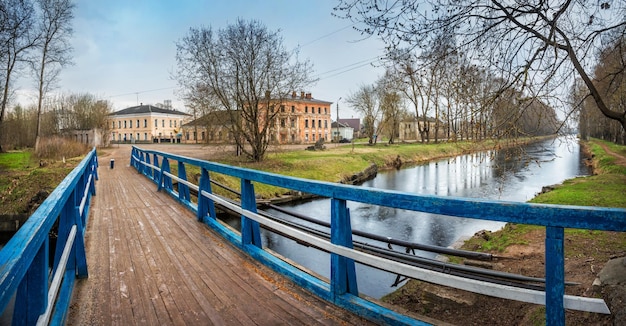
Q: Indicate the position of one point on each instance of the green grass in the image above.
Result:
(15, 160)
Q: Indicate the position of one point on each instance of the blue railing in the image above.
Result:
(342, 288)
(40, 279)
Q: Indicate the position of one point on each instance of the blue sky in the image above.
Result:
(124, 51)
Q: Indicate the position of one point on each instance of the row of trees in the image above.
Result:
(34, 37)
(536, 49)
(448, 97)
(62, 113)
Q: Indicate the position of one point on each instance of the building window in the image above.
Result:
(124, 123)
(163, 123)
(156, 123)
(174, 123)
(313, 137)
(187, 135)
(202, 135)
(306, 109)
(306, 137)
(319, 123)
(137, 123)
(137, 136)
(325, 123)
(282, 109)
(325, 110)
(319, 110)
(282, 123)
(293, 122)
(306, 124)
(293, 109)
(145, 136)
(170, 123)
(119, 125)
(313, 125)
(145, 123)
(130, 123)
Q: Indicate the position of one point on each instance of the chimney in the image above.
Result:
(301, 94)
(308, 96)
(267, 94)
(293, 94)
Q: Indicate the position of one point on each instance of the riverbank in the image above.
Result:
(586, 252)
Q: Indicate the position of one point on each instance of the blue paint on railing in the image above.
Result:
(342, 289)
(25, 270)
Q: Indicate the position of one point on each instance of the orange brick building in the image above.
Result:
(302, 119)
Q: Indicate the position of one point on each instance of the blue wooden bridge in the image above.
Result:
(148, 249)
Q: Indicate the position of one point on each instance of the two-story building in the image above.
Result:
(300, 119)
(147, 123)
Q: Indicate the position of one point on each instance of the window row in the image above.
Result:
(129, 123)
(306, 109)
(292, 123)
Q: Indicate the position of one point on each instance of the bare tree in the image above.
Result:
(366, 101)
(247, 69)
(391, 104)
(55, 26)
(17, 18)
(535, 46)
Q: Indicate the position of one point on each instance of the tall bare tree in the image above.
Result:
(534, 46)
(248, 70)
(366, 101)
(17, 19)
(55, 26)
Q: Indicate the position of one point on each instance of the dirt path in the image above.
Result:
(619, 159)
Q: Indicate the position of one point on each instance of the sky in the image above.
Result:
(125, 51)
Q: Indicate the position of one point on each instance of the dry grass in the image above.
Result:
(56, 148)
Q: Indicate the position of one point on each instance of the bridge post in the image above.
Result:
(250, 230)
(156, 163)
(140, 167)
(205, 205)
(342, 270)
(183, 189)
(164, 180)
(555, 276)
(149, 171)
(31, 298)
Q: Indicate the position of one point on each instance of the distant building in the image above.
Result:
(342, 131)
(212, 127)
(147, 123)
(409, 129)
(355, 123)
(299, 119)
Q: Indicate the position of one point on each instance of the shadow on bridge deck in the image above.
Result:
(151, 262)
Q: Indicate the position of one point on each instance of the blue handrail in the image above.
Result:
(40, 281)
(342, 289)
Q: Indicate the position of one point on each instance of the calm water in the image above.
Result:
(511, 175)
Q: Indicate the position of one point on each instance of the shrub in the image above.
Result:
(58, 147)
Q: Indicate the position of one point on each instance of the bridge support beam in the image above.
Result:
(342, 270)
(250, 229)
(206, 206)
(183, 189)
(555, 276)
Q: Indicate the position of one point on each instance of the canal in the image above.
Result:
(512, 175)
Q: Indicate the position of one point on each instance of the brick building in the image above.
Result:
(301, 119)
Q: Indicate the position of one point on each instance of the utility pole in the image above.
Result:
(337, 139)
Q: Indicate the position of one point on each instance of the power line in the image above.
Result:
(141, 92)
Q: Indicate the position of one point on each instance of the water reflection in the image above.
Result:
(512, 175)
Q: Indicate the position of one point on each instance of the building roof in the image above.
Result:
(142, 109)
(341, 125)
(221, 117)
(354, 123)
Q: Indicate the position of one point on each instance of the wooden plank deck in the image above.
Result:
(150, 262)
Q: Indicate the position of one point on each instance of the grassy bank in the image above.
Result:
(338, 163)
(605, 188)
(25, 180)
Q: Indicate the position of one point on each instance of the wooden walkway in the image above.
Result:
(150, 262)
